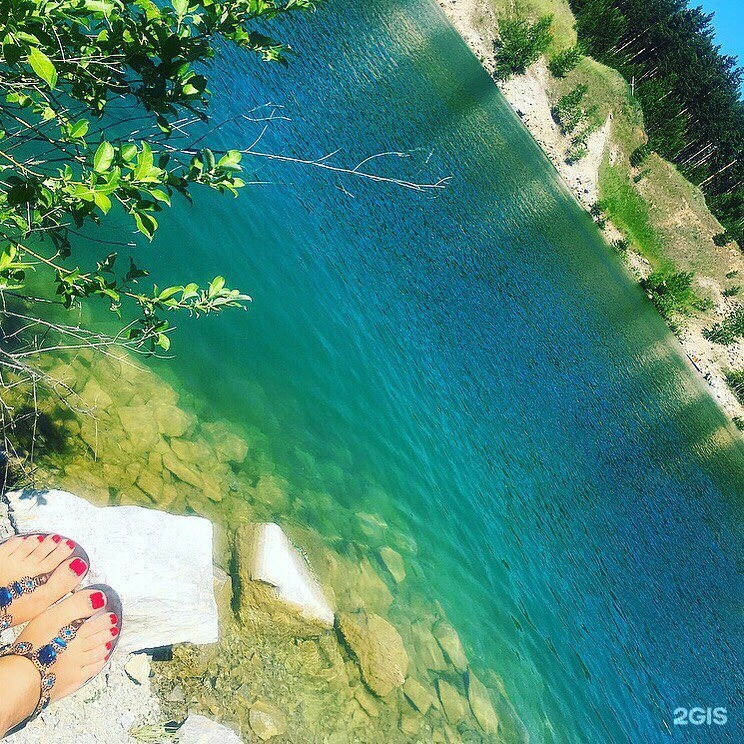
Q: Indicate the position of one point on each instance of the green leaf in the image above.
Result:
(12, 52)
(43, 67)
(129, 151)
(28, 38)
(102, 201)
(7, 256)
(163, 342)
(216, 285)
(99, 6)
(230, 161)
(144, 163)
(181, 7)
(107, 264)
(190, 291)
(146, 223)
(104, 157)
(169, 292)
(161, 196)
(78, 129)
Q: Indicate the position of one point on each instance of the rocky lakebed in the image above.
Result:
(252, 624)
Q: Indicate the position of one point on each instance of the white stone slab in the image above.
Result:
(276, 561)
(200, 730)
(160, 564)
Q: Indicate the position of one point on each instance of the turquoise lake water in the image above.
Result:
(475, 366)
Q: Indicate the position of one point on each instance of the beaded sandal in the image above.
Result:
(45, 657)
(27, 584)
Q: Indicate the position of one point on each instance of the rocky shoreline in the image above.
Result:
(527, 94)
(326, 642)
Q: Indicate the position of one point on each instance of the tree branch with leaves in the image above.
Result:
(68, 68)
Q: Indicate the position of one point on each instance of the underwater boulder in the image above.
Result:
(481, 705)
(378, 649)
(453, 703)
(266, 720)
(393, 562)
(451, 645)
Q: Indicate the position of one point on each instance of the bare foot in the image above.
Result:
(57, 653)
(53, 559)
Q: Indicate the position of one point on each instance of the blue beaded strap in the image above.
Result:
(13, 591)
(43, 658)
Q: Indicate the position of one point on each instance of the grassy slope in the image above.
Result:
(663, 215)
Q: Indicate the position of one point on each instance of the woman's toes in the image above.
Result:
(45, 544)
(97, 629)
(24, 546)
(104, 639)
(97, 656)
(89, 601)
(9, 546)
(65, 578)
(62, 551)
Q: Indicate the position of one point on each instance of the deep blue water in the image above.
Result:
(475, 365)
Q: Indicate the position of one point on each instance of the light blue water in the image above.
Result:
(474, 365)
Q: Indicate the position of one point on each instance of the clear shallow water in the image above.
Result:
(475, 366)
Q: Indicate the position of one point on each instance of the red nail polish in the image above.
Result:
(78, 567)
(109, 645)
(57, 538)
(97, 600)
(70, 544)
(114, 619)
(114, 632)
(40, 538)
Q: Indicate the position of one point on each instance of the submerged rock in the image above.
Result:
(229, 446)
(410, 723)
(151, 484)
(394, 563)
(368, 702)
(372, 589)
(451, 645)
(480, 704)
(172, 420)
(453, 703)
(420, 697)
(372, 525)
(265, 554)
(266, 720)
(140, 425)
(160, 564)
(378, 649)
(94, 396)
(182, 471)
(428, 651)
